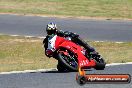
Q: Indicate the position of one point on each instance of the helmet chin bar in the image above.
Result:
(51, 32)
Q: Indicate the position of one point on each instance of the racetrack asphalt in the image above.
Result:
(54, 79)
(101, 30)
(106, 30)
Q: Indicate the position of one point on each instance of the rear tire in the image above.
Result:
(61, 67)
(62, 57)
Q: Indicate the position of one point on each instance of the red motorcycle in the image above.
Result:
(70, 55)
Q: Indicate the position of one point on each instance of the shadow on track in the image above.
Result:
(55, 71)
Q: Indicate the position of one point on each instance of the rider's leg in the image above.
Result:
(85, 45)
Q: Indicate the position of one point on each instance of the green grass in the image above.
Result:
(20, 53)
(114, 52)
(86, 8)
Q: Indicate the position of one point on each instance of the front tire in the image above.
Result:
(100, 64)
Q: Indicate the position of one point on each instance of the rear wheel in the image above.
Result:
(61, 67)
(68, 59)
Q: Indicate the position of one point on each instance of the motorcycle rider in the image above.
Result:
(52, 30)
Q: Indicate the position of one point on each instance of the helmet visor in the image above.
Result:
(50, 32)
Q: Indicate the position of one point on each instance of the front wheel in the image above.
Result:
(100, 63)
(68, 59)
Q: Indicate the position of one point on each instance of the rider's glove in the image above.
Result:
(67, 33)
(70, 34)
(74, 35)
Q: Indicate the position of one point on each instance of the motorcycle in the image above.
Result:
(70, 55)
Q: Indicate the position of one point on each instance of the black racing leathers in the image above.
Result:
(74, 37)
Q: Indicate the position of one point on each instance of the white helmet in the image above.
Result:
(51, 28)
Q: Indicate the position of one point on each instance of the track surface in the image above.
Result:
(91, 29)
(53, 79)
(88, 29)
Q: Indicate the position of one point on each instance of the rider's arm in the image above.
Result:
(60, 33)
(66, 34)
(45, 42)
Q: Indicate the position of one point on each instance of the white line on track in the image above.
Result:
(29, 71)
(26, 36)
(30, 36)
(54, 69)
(45, 37)
(113, 64)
